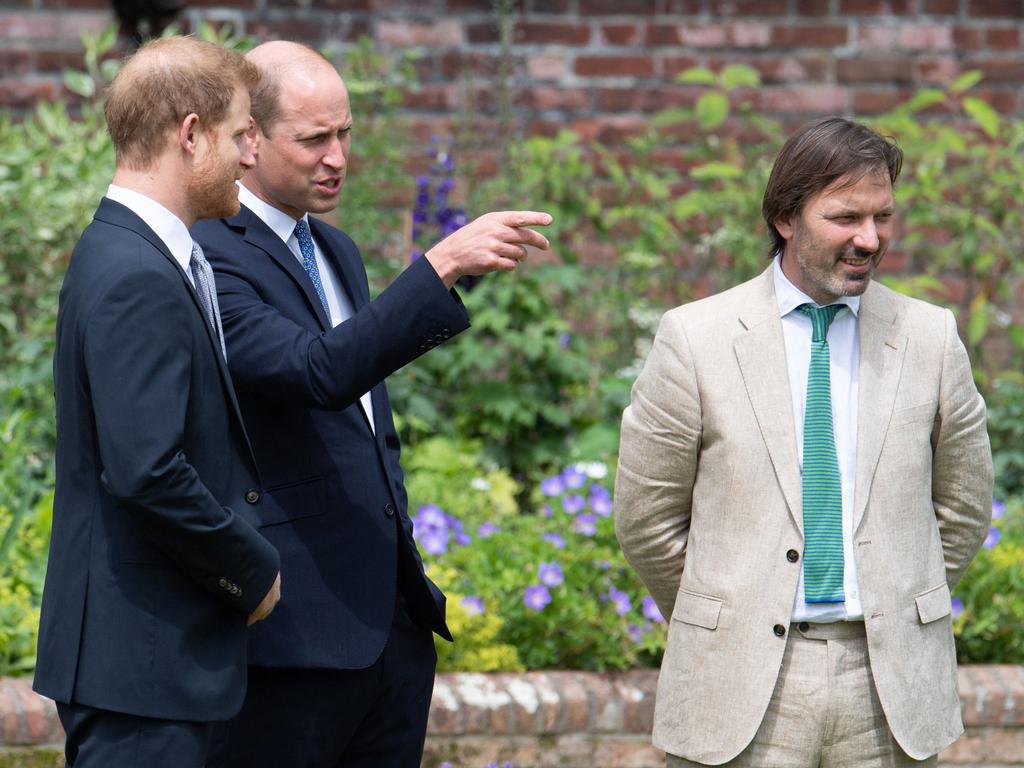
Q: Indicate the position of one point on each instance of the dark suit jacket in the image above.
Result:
(338, 516)
(154, 561)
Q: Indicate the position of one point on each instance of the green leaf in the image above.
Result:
(79, 82)
(712, 109)
(983, 115)
(696, 76)
(923, 99)
(740, 76)
(106, 39)
(716, 170)
(109, 69)
(977, 324)
(672, 116)
(966, 81)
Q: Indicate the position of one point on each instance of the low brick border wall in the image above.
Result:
(565, 719)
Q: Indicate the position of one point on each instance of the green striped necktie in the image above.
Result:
(822, 490)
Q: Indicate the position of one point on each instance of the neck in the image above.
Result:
(158, 184)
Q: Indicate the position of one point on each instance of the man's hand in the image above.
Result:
(495, 241)
(267, 604)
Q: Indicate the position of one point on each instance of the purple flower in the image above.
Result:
(598, 491)
(458, 531)
(958, 607)
(620, 600)
(573, 477)
(993, 538)
(998, 509)
(472, 605)
(564, 339)
(554, 539)
(486, 530)
(416, 254)
(546, 511)
(536, 597)
(601, 506)
(434, 540)
(636, 633)
(586, 524)
(651, 610)
(574, 503)
(550, 574)
(552, 486)
(431, 515)
(604, 565)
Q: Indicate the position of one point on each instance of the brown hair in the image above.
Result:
(266, 97)
(815, 157)
(161, 84)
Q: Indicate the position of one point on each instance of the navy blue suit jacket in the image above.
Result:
(155, 560)
(339, 510)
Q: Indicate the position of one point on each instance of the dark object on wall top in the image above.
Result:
(143, 19)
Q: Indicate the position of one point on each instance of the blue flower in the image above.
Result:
(550, 574)
(574, 503)
(546, 511)
(651, 610)
(993, 538)
(472, 605)
(431, 515)
(564, 339)
(598, 491)
(536, 597)
(573, 477)
(552, 486)
(602, 506)
(958, 607)
(620, 600)
(998, 509)
(636, 633)
(586, 524)
(486, 530)
(434, 540)
(554, 539)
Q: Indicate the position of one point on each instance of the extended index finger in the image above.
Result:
(524, 218)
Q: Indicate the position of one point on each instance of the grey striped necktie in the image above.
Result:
(207, 292)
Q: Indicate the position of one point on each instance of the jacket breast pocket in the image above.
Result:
(696, 609)
(916, 413)
(934, 603)
(293, 501)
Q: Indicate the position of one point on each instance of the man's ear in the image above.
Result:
(253, 137)
(784, 227)
(188, 133)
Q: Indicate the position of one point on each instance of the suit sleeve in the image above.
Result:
(138, 352)
(273, 354)
(962, 460)
(661, 432)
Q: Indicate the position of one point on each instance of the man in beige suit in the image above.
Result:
(800, 486)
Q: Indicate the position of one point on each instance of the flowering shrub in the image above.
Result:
(433, 216)
(555, 579)
(988, 604)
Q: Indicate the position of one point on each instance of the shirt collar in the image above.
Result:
(790, 297)
(279, 222)
(168, 227)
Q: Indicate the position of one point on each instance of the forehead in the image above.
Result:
(315, 99)
(871, 189)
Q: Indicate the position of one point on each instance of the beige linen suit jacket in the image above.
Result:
(708, 503)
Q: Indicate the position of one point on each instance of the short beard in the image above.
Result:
(212, 193)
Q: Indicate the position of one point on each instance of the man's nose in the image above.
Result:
(866, 237)
(335, 155)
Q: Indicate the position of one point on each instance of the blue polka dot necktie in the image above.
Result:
(822, 488)
(202, 275)
(309, 261)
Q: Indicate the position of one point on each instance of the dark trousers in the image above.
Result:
(327, 718)
(98, 738)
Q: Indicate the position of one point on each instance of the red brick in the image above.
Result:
(662, 34)
(545, 67)
(50, 60)
(544, 6)
(474, 5)
(779, 69)
(925, 37)
(456, 63)
(610, 130)
(1002, 101)
(617, 100)
(874, 69)
(16, 61)
(684, 7)
(443, 32)
(614, 66)
(875, 7)
(313, 30)
(968, 37)
(938, 71)
(704, 35)
(895, 262)
(621, 34)
(733, 8)
(812, 8)
(482, 33)
(429, 96)
(812, 99)
(673, 65)
(873, 37)
(618, 7)
(546, 97)
(809, 36)
(551, 33)
(941, 7)
(67, 25)
(871, 101)
(1003, 37)
(25, 93)
(1009, 8)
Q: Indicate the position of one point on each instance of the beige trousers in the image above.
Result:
(824, 712)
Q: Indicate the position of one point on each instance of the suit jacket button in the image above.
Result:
(779, 630)
(252, 496)
(792, 555)
(803, 626)
(389, 509)
(222, 582)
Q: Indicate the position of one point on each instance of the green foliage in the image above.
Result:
(991, 594)
(1006, 430)
(22, 571)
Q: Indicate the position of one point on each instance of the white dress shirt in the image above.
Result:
(340, 307)
(844, 354)
(165, 224)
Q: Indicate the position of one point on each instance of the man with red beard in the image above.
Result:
(156, 566)
(804, 474)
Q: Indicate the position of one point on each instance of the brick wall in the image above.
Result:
(599, 66)
(565, 719)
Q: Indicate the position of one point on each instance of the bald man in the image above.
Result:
(342, 673)
(155, 561)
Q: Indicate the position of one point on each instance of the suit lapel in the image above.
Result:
(761, 353)
(883, 347)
